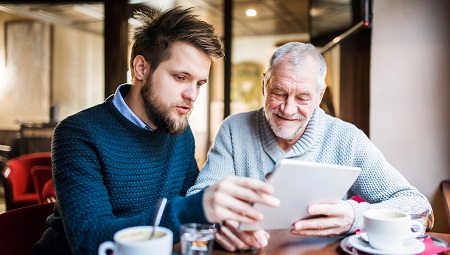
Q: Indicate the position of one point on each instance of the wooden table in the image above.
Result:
(283, 243)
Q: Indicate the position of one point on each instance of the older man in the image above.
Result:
(292, 125)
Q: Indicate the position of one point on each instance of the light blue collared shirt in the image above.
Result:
(123, 108)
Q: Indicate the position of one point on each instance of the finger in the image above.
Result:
(235, 240)
(316, 224)
(250, 238)
(219, 206)
(253, 184)
(331, 232)
(262, 238)
(329, 209)
(219, 197)
(224, 213)
(224, 242)
(247, 190)
(322, 209)
(237, 209)
(219, 213)
(319, 227)
(231, 224)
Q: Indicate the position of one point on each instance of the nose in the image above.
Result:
(191, 92)
(289, 107)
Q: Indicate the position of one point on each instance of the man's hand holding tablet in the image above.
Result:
(299, 184)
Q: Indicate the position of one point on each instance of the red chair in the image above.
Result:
(48, 192)
(21, 228)
(18, 182)
(40, 175)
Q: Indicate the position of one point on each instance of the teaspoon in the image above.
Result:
(159, 211)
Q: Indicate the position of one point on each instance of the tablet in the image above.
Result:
(301, 183)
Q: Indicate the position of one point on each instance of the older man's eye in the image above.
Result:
(278, 96)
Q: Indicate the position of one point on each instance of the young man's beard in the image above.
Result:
(159, 113)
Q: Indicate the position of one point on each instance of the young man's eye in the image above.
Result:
(180, 78)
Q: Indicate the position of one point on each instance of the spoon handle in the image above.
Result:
(159, 212)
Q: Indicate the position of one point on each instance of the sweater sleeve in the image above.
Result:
(380, 184)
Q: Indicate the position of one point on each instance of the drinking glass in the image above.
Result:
(422, 214)
(197, 239)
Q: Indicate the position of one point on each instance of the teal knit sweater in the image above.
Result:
(108, 175)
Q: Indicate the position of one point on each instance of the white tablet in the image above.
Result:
(301, 183)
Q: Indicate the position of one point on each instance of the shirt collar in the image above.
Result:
(123, 108)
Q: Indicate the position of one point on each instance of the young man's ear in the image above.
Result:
(140, 67)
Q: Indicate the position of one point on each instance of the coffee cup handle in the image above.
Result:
(108, 245)
(420, 228)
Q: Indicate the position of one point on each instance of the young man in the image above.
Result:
(112, 162)
(291, 125)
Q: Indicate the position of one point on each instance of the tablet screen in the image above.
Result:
(301, 183)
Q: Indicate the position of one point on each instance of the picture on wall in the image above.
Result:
(246, 84)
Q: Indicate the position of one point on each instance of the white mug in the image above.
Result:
(136, 241)
(388, 230)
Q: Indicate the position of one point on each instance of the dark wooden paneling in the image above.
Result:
(355, 80)
(228, 34)
(355, 74)
(116, 44)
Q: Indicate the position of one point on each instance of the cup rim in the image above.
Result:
(168, 235)
(203, 228)
(370, 214)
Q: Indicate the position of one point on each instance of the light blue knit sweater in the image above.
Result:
(246, 146)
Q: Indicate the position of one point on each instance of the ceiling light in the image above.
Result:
(250, 12)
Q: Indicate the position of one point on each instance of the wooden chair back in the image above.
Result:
(21, 228)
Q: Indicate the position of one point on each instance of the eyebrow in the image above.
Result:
(307, 93)
(278, 86)
(190, 75)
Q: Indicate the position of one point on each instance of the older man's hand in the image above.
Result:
(327, 220)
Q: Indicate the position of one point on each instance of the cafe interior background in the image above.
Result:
(390, 78)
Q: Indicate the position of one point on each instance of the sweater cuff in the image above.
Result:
(191, 209)
(358, 222)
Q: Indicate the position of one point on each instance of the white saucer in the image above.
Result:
(411, 246)
(348, 248)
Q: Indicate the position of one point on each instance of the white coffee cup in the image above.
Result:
(388, 230)
(136, 241)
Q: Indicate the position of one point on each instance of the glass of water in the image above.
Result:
(197, 239)
(422, 214)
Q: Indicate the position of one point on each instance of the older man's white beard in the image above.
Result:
(286, 131)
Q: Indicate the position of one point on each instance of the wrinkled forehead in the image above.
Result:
(295, 68)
